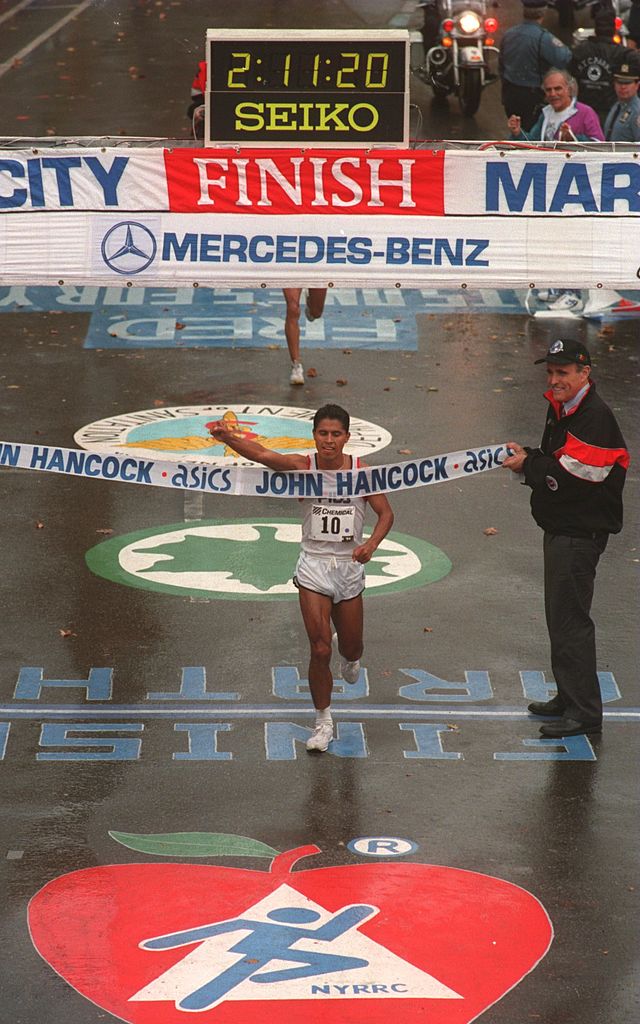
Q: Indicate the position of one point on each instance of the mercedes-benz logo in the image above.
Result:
(128, 248)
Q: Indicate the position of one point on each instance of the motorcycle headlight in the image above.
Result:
(469, 23)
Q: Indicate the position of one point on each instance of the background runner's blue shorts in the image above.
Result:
(337, 578)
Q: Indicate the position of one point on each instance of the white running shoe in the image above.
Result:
(349, 670)
(321, 736)
(297, 374)
(547, 294)
(568, 302)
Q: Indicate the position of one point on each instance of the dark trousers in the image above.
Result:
(523, 101)
(569, 576)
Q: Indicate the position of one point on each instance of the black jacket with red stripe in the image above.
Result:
(578, 472)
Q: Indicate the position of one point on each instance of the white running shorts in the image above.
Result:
(337, 578)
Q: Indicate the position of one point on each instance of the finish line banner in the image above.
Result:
(400, 218)
(253, 481)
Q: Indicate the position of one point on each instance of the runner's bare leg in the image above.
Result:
(348, 618)
(292, 322)
(315, 302)
(316, 615)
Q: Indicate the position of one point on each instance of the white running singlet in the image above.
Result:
(332, 527)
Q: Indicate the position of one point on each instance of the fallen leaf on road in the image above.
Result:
(106, 530)
(312, 372)
(405, 451)
(341, 381)
(66, 632)
(39, 525)
(490, 531)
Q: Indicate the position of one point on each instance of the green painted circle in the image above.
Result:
(244, 560)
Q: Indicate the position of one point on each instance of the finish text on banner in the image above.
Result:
(222, 217)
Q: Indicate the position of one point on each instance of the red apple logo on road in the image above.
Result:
(152, 943)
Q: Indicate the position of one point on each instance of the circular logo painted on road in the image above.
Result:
(128, 248)
(245, 560)
(382, 846)
(179, 433)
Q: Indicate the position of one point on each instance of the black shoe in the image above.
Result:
(548, 708)
(569, 727)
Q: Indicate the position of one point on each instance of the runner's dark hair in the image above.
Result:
(332, 412)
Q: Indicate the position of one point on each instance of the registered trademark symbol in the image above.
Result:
(382, 846)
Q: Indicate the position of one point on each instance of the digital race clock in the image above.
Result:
(318, 88)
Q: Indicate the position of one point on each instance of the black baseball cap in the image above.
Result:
(563, 350)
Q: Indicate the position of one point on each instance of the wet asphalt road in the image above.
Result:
(467, 781)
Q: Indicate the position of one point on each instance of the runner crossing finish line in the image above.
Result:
(253, 481)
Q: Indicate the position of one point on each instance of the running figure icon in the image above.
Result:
(268, 941)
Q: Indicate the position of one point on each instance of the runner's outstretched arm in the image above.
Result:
(254, 451)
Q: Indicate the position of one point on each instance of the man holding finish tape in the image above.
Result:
(576, 478)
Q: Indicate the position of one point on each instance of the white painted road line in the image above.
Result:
(42, 38)
(14, 10)
(215, 711)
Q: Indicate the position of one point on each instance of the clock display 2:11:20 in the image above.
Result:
(301, 67)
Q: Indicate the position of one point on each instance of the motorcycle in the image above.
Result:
(458, 39)
(567, 10)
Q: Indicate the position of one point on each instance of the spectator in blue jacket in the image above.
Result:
(527, 51)
(623, 120)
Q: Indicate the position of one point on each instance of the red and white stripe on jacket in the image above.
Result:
(588, 461)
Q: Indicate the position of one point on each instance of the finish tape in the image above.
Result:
(253, 481)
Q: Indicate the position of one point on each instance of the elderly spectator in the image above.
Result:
(563, 118)
(526, 52)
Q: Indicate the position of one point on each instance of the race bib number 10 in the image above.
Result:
(333, 522)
